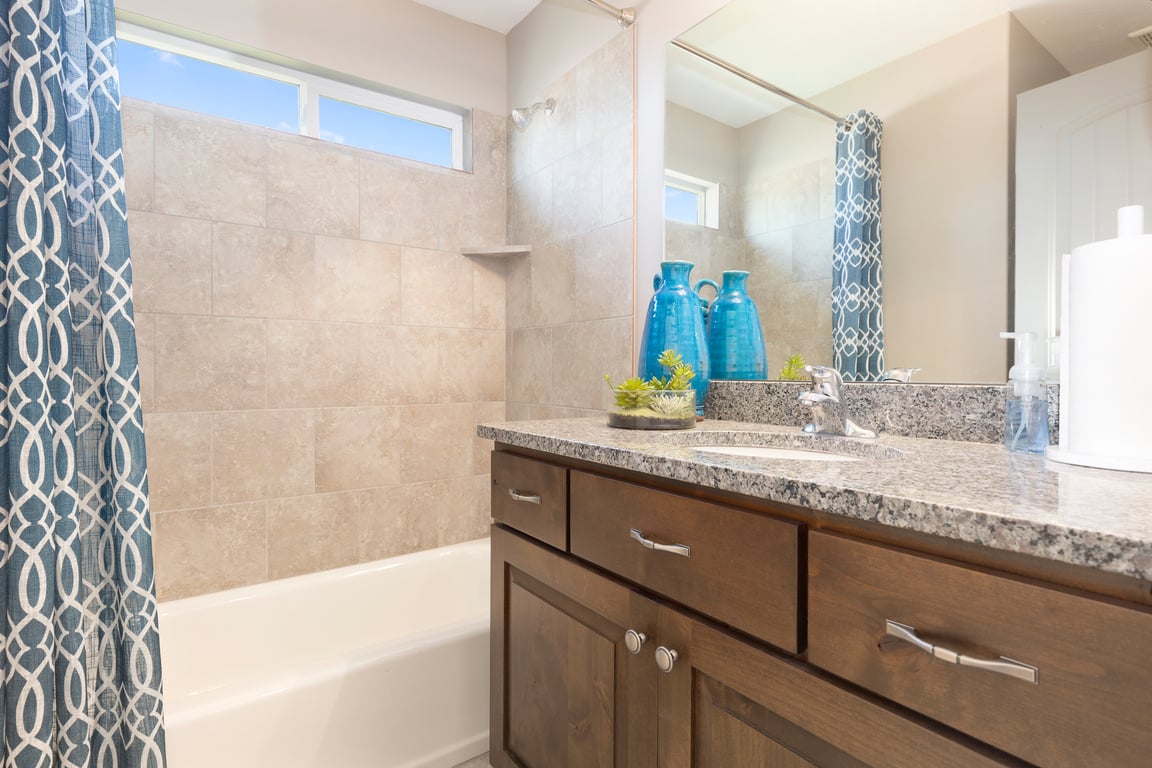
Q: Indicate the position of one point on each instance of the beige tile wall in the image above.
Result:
(787, 221)
(315, 353)
(570, 198)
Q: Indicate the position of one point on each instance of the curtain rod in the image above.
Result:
(624, 16)
(685, 46)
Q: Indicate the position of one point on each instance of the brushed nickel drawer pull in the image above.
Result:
(1002, 665)
(531, 498)
(677, 549)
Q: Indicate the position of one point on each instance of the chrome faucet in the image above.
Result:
(902, 375)
(828, 414)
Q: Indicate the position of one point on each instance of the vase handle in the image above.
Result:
(704, 303)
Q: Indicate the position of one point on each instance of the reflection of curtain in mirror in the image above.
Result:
(857, 294)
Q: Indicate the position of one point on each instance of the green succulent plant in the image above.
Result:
(793, 369)
(681, 372)
(639, 393)
(631, 393)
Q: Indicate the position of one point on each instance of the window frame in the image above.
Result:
(311, 87)
(707, 195)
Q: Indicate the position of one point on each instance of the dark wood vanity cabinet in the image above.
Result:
(726, 641)
(728, 703)
(1057, 678)
(566, 691)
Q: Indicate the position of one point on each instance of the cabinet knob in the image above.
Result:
(634, 640)
(665, 659)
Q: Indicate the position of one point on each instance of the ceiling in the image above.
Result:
(808, 47)
(500, 15)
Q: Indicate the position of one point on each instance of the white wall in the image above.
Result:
(397, 43)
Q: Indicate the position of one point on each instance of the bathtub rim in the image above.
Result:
(287, 584)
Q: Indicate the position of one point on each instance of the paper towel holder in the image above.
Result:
(1091, 433)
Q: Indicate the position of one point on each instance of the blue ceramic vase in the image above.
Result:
(735, 338)
(674, 321)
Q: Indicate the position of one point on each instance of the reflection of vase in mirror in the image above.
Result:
(735, 340)
(674, 321)
(946, 100)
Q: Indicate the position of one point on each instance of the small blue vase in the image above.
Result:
(674, 321)
(735, 338)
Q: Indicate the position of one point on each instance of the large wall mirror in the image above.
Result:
(943, 79)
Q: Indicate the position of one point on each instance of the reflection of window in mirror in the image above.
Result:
(691, 200)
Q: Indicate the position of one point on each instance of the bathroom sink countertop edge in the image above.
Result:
(977, 493)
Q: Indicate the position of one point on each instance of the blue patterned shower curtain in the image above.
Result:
(857, 293)
(79, 651)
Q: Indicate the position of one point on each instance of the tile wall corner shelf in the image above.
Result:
(499, 251)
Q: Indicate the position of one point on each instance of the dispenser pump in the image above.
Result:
(1025, 376)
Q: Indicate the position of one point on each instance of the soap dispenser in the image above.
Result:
(1026, 409)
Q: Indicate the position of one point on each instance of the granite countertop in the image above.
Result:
(973, 492)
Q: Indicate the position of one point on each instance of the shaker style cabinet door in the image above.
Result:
(567, 690)
(726, 703)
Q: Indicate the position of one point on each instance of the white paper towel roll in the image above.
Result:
(1105, 401)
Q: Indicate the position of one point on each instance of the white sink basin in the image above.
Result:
(766, 452)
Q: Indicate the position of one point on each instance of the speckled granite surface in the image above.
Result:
(967, 491)
(969, 412)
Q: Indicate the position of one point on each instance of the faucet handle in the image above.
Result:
(825, 380)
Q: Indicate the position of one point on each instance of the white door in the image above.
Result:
(1083, 149)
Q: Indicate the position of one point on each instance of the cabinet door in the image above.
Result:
(727, 703)
(566, 691)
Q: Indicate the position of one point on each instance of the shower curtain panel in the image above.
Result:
(857, 294)
(80, 661)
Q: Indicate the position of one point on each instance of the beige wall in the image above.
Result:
(315, 352)
(700, 146)
(397, 43)
(570, 199)
(549, 42)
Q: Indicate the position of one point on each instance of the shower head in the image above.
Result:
(523, 115)
(1143, 36)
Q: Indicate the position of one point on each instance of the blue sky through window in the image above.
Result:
(681, 205)
(168, 78)
(160, 76)
(368, 128)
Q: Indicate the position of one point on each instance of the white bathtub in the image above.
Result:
(380, 665)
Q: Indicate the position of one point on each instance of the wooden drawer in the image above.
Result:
(741, 569)
(531, 496)
(1093, 675)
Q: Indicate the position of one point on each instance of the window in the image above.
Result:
(158, 75)
(691, 200)
(213, 80)
(349, 123)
